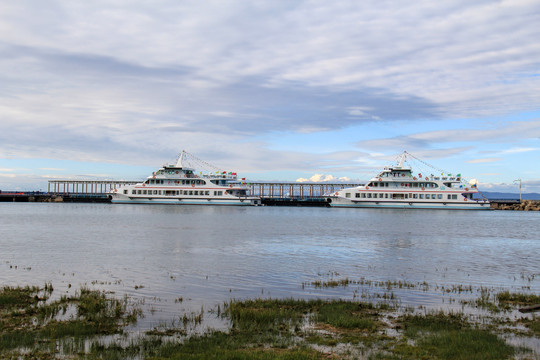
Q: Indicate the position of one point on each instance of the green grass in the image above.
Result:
(509, 298)
(416, 325)
(533, 325)
(259, 329)
(447, 336)
(347, 315)
(11, 297)
(468, 344)
(28, 320)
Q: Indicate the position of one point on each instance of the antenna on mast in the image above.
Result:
(402, 160)
(179, 162)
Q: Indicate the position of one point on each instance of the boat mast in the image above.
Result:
(402, 160)
(180, 159)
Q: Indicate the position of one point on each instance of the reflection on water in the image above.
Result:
(207, 255)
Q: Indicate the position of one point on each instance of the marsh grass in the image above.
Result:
(448, 336)
(416, 325)
(348, 315)
(508, 298)
(29, 320)
(502, 301)
(466, 344)
(13, 297)
(32, 326)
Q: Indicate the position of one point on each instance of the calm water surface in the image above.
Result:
(208, 255)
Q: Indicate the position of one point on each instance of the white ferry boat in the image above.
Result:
(399, 187)
(179, 184)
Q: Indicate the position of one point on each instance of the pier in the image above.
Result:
(262, 189)
(271, 193)
(94, 187)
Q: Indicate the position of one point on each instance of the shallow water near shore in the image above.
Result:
(178, 259)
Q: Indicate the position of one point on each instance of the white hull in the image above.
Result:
(470, 205)
(247, 201)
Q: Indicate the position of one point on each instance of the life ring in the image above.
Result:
(337, 194)
(380, 179)
(367, 187)
(464, 199)
(403, 175)
(427, 178)
(192, 185)
(177, 172)
(423, 188)
(230, 185)
(466, 189)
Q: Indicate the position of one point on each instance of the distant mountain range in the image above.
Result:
(501, 195)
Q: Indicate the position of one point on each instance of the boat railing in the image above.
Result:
(217, 176)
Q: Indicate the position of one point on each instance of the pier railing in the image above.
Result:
(90, 187)
(274, 190)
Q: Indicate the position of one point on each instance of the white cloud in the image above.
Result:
(519, 150)
(485, 160)
(500, 133)
(324, 178)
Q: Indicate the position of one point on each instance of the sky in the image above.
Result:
(273, 90)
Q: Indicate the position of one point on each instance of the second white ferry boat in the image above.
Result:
(399, 187)
(179, 184)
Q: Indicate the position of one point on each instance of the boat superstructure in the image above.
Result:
(399, 187)
(179, 184)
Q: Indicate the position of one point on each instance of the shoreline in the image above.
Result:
(93, 323)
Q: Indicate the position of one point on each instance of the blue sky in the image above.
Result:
(275, 90)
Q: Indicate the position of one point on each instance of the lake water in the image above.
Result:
(174, 259)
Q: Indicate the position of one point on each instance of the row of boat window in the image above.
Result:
(176, 182)
(413, 184)
(174, 192)
(401, 196)
(403, 174)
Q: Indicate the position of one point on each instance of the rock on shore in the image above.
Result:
(525, 205)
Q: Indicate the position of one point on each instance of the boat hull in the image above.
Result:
(120, 199)
(471, 205)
